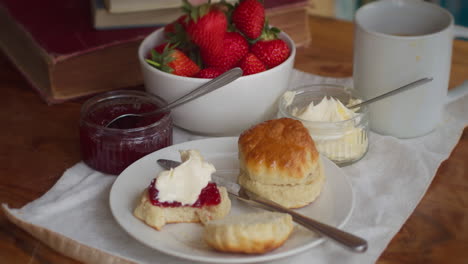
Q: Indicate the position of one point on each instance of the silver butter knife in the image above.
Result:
(351, 241)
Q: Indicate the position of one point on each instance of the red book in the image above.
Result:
(271, 4)
(53, 43)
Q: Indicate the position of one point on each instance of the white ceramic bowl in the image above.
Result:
(230, 109)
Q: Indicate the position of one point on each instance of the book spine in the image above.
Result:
(29, 59)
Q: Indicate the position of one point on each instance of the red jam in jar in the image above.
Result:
(112, 149)
(208, 196)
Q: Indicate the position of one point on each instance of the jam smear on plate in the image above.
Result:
(208, 196)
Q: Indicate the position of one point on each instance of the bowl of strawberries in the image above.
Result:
(206, 41)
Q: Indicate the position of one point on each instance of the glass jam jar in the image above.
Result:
(111, 150)
(343, 142)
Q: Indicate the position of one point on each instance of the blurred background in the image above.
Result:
(345, 9)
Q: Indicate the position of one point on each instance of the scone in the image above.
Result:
(183, 194)
(157, 216)
(289, 196)
(253, 233)
(278, 160)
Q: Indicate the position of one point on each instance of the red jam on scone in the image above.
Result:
(184, 194)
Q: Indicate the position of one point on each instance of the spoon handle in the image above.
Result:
(398, 90)
(213, 84)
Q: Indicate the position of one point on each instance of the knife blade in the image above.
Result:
(349, 240)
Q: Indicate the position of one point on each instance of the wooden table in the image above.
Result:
(38, 142)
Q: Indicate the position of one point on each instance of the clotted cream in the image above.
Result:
(185, 182)
(335, 129)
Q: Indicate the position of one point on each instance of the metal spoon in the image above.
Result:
(209, 86)
(392, 92)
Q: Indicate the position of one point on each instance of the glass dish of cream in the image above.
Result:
(339, 133)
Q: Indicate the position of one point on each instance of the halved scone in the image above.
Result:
(158, 216)
(184, 194)
(252, 233)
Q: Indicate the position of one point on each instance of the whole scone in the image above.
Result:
(278, 161)
(289, 196)
(278, 151)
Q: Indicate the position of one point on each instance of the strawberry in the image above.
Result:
(249, 18)
(206, 27)
(175, 34)
(169, 59)
(209, 73)
(271, 52)
(250, 64)
(234, 48)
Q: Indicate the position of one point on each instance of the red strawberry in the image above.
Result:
(209, 73)
(206, 27)
(250, 64)
(234, 48)
(169, 59)
(249, 17)
(271, 52)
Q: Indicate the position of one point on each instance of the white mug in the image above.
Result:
(398, 42)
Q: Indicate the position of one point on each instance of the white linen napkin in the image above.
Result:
(388, 184)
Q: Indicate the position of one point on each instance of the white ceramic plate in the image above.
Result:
(333, 206)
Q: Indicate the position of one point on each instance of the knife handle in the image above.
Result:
(351, 241)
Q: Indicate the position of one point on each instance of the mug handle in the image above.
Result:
(456, 92)
(459, 91)
(460, 32)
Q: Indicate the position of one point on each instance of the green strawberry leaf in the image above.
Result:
(166, 68)
(268, 32)
(203, 10)
(186, 6)
(275, 30)
(161, 60)
(155, 56)
(168, 59)
(194, 14)
(153, 63)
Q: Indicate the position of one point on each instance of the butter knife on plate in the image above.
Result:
(351, 241)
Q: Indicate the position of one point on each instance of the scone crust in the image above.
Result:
(157, 217)
(239, 235)
(289, 196)
(278, 151)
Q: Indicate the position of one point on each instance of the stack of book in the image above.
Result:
(75, 48)
(115, 14)
(288, 15)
